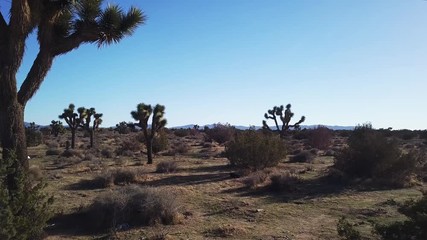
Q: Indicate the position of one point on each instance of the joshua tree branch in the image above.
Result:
(35, 76)
(3, 25)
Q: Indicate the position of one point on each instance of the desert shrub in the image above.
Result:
(132, 205)
(255, 178)
(405, 134)
(166, 167)
(160, 142)
(129, 146)
(303, 156)
(415, 227)
(118, 176)
(182, 132)
(53, 152)
(71, 153)
(35, 173)
(89, 156)
(25, 208)
(181, 148)
(33, 135)
(107, 153)
(123, 128)
(220, 133)
(254, 150)
(300, 135)
(285, 181)
(320, 137)
(371, 155)
(347, 231)
(53, 145)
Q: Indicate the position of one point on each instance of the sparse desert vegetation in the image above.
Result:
(256, 185)
(141, 179)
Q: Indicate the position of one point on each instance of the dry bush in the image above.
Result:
(285, 181)
(129, 146)
(53, 152)
(320, 137)
(304, 156)
(52, 145)
(107, 153)
(135, 206)
(71, 153)
(220, 133)
(256, 178)
(117, 176)
(35, 173)
(166, 167)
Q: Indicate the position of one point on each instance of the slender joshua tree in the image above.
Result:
(142, 115)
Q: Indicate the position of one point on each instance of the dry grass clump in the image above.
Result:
(166, 167)
(107, 153)
(303, 156)
(128, 147)
(35, 173)
(118, 176)
(225, 231)
(135, 206)
(256, 178)
(285, 181)
(71, 153)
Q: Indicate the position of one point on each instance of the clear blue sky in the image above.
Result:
(338, 62)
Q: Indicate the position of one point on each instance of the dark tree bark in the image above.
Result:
(73, 138)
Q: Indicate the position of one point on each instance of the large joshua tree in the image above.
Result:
(61, 26)
(86, 122)
(142, 115)
(285, 116)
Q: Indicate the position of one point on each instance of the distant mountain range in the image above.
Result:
(334, 127)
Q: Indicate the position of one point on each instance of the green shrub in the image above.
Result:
(371, 155)
(33, 135)
(254, 150)
(160, 142)
(132, 205)
(24, 209)
(413, 228)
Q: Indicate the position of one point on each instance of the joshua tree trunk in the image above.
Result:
(13, 131)
(91, 132)
(73, 138)
(150, 151)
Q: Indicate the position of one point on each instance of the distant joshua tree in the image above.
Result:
(73, 121)
(56, 128)
(285, 116)
(142, 115)
(86, 122)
